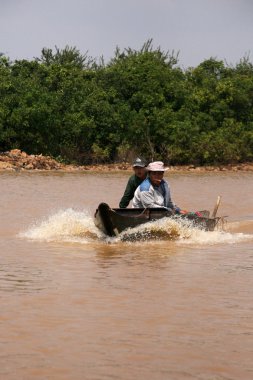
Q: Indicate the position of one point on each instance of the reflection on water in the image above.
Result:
(76, 304)
(19, 272)
(21, 280)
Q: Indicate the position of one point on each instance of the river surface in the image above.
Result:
(76, 305)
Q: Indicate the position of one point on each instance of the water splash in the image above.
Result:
(162, 229)
(76, 226)
(200, 237)
(183, 232)
(66, 225)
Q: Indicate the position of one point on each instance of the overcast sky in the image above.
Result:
(198, 29)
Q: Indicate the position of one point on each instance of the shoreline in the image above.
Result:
(18, 161)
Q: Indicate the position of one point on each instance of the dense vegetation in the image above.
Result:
(67, 105)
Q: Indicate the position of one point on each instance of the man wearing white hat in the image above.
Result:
(154, 191)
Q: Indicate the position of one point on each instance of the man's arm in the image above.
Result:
(128, 194)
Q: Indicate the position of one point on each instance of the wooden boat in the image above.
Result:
(112, 221)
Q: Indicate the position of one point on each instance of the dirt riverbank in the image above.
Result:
(16, 160)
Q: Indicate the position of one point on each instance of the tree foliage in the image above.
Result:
(67, 105)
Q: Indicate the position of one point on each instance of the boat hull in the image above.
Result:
(112, 221)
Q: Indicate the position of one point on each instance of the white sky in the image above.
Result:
(198, 29)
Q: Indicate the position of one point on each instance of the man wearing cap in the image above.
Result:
(139, 167)
(154, 191)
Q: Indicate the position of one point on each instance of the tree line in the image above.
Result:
(77, 109)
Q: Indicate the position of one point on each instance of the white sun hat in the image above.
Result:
(156, 166)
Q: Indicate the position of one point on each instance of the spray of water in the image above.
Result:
(66, 225)
(76, 226)
(183, 232)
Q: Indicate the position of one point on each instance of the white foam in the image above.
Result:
(214, 237)
(66, 225)
(76, 226)
(183, 232)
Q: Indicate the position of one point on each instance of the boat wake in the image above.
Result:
(78, 227)
(184, 232)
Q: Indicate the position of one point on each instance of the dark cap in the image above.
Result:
(139, 162)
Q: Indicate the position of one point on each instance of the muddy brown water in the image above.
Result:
(75, 305)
